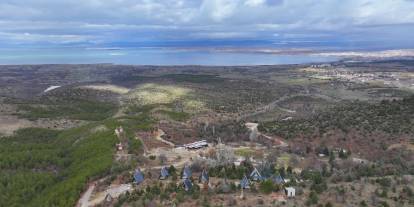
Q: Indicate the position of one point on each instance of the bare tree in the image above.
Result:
(224, 154)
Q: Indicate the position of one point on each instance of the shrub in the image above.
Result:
(266, 186)
(313, 198)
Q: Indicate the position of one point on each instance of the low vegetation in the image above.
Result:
(393, 117)
(192, 78)
(77, 109)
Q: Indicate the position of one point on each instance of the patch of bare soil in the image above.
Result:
(9, 124)
(178, 133)
(108, 87)
(150, 141)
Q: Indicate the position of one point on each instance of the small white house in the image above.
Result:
(119, 147)
(290, 192)
(119, 131)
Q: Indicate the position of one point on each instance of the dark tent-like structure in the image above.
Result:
(255, 175)
(204, 177)
(278, 179)
(186, 173)
(138, 176)
(245, 183)
(164, 173)
(187, 184)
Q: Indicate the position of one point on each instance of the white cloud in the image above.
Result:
(222, 35)
(30, 38)
(117, 20)
(218, 10)
(254, 2)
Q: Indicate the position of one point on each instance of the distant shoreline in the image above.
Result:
(214, 56)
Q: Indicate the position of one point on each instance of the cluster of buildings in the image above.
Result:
(186, 177)
(245, 182)
(387, 78)
(277, 179)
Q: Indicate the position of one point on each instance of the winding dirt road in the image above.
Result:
(253, 127)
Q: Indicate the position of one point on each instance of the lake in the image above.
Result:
(149, 56)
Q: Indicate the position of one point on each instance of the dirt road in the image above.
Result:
(274, 104)
(114, 190)
(159, 135)
(84, 200)
(253, 128)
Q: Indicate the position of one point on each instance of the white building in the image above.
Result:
(196, 145)
(290, 192)
(119, 146)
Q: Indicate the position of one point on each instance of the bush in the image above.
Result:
(384, 204)
(313, 198)
(384, 182)
(363, 204)
(266, 186)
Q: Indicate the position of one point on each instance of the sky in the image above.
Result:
(203, 23)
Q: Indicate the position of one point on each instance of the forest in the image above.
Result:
(43, 167)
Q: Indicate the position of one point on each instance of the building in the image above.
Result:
(204, 177)
(119, 131)
(290, 192)
(245, 183)
(186, 172)
(164, 173)
(187, 184)
(108, 198)
(196, 145)
(278, 180)
(119, 146)
(239, 160)
(255, 175)
(138, 176)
